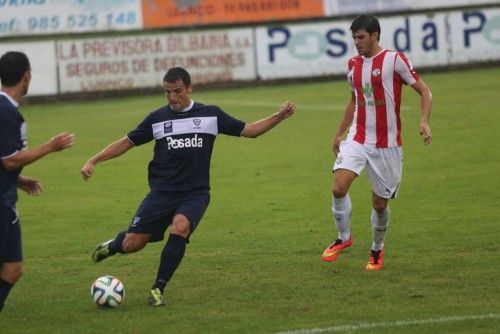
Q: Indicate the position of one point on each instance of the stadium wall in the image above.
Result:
(69, 65)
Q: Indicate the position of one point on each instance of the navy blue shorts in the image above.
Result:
(10, 236)
(158, 209)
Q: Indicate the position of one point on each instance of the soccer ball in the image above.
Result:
(107, 291)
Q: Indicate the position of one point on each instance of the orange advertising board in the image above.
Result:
(175, 13)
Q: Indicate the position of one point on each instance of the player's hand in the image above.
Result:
(31, 186)
(87, 170)
(287, 109)
(425, 132)
(62, 141)
(336, 144)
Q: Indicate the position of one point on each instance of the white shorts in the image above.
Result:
(383, 165)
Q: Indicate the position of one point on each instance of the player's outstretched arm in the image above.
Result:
(113, 150)
(257, 128)
(425, 105)
(27, 156)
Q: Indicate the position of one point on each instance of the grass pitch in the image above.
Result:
(253, 265)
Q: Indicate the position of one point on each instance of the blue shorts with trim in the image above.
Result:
(10, 236)
(158, 209)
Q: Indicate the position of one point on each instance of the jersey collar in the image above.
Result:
(188, 107)
(368, 58)
(14, 102)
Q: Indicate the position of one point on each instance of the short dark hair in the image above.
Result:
(366, 22)
(13, 65)
(176, 73)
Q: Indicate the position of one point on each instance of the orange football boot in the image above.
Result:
(376, 260)
(333, 251)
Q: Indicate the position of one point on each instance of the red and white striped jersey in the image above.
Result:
(377, 84)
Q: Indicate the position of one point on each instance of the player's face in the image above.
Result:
(365, 42)
(178, 95)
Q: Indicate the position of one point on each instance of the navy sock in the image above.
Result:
(171, 256)
(116, 245)
(4, 292)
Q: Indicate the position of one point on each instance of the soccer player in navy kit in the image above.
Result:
(15, 75)
(184, 132)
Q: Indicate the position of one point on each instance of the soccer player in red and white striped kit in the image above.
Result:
(376, 76)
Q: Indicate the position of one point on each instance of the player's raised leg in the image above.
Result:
(123, 243)
(342, 210)
(109, 248)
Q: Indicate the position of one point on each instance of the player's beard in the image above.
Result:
(366, 49)
(25, 90)
(176, 106)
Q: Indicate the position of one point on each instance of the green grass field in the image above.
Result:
(253, 265)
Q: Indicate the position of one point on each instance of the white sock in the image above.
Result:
(342, 209)
(380, 222)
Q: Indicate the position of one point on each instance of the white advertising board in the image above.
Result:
(475, 36)
(42, 58)
(96, 64)
(316, 49)
(285, 51)
(37, 17)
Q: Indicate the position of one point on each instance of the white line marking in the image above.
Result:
(397, 323)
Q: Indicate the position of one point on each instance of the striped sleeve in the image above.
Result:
(405, 69)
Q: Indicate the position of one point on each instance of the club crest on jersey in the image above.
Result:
(376, 72)
(167, 127)
(197, 123)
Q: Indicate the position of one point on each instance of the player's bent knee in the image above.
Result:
(181, 226)
(339, 192)
(11, 272)
(379, 204)
(380, 207)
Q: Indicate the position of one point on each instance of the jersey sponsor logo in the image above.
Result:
(184, 142)
(367, 90)
(167, 127)
(371, 103)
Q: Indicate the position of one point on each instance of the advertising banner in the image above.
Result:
(317, 49)
(475, 36)
(97, 64)
(268, 52)
(42, 58)
(68, 16)
(171, 13)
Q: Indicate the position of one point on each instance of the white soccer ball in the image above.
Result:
(107, 291)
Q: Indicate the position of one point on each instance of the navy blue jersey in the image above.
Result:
(12, 139)
(184, 143)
